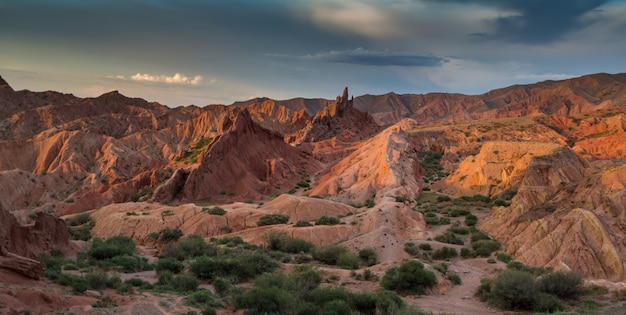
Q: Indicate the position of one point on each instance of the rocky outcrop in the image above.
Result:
(338, 119)
(575, 224)
(247, 160)
(19, 245)
(385, 165)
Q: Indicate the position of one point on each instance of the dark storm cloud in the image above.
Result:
(535, 21)
(166, 28)
(366, 57)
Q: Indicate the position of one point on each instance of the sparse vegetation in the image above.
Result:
(272, 219)
(409, 278)
(327, 220)
(214, 210)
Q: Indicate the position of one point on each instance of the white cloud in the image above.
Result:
(177, 78)
(355, 17)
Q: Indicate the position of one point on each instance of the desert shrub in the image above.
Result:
(199, 298)
(459, 230)
(111, 247)
(443, 198)
(410, 277)
(135, 282)
(369, 203)
(222, 285)
(126, 263)
(170, 235)
(471, 220)
(79, 219)
(239, 266)
(458, 212)
(445, 253)
(484, 248)
(280, 240)
(500, 203)
(467, 253)
(329, 254)
(504, 257)
(454, 278)
(478, 235)
(268, 300)
(432, 220)
(327, 220)
(348, 261)
(80, 233)
(411, 249)
(547, 303)
(191, 246)
(97, 280)
(272, 219)
(214, 211)
(513, 290)
(565, 285)
(230, 241)
(170, 264)
(425, 246)
(448, 237)
(368, 256)
(184, 283)
(302, 223)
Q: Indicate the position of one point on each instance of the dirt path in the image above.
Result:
(460, 300)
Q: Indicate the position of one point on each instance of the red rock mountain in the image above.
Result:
(559, 144)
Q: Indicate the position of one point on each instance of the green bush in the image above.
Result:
(411, 249)
(565, 285)
(369, 203)
(231, 241)
(184, 283)
(170, 264)
(478, 235)
(425, 246)
(410, 277)
(500, 203)
(79, 219)
(454, 278)
(368, 256)
(471, 220)
(459, 230)
(214, 211)
(239, 266)
(114, 246)
(484, 248)
(449, 237)
(327, 220)
(201, 298)
(445, 253)
(268, 300)
(547, 303)
(272, 219)
(348, 261)
(302, 223)
(329, 254)
(467, 253)
(513, 290)
(504, 257)
(189, 247)
(170, 235)
(280, 240)
(443, 198)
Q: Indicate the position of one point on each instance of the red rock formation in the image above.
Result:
(248, 160)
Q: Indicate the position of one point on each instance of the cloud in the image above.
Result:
(355, 17)
(473, 76)
(177, 78)
(366, 57)
(534, 21)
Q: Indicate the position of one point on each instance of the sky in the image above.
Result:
(183, 52)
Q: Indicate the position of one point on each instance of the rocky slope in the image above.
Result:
(560, 145)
